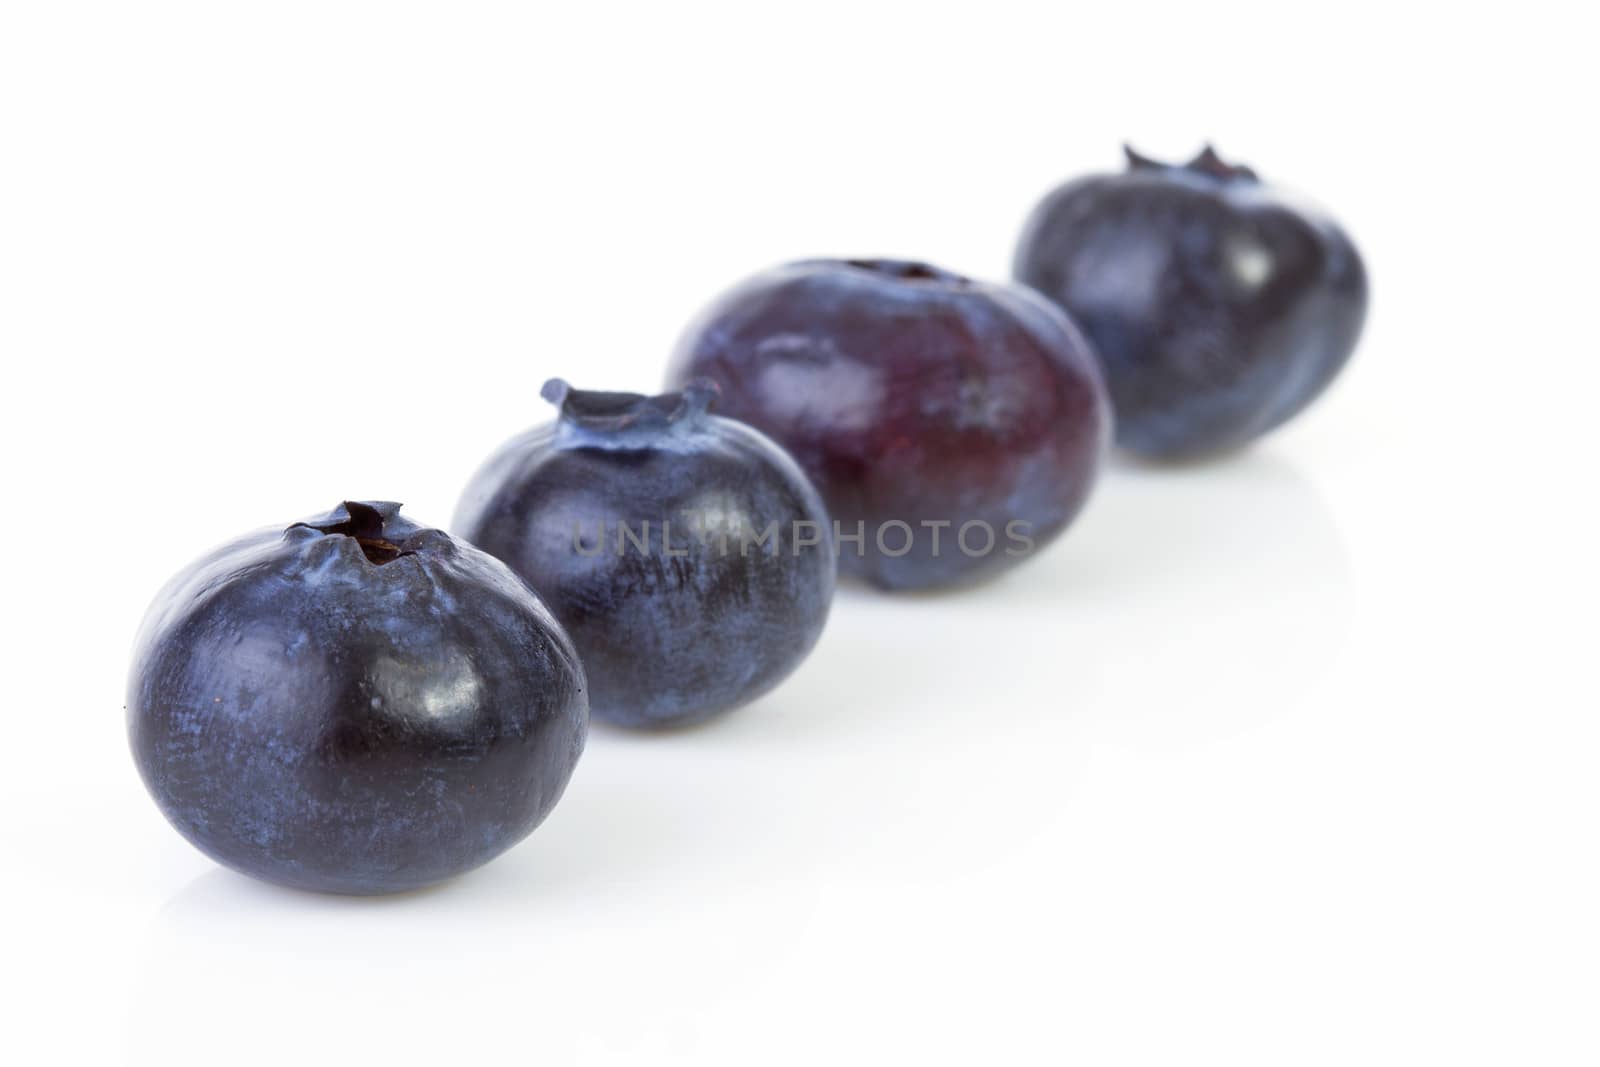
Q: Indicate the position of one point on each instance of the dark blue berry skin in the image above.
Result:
(913, 395)
(695, 614)
(1219, 306)
(354, 704)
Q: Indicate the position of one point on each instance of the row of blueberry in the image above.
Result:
(357, 703)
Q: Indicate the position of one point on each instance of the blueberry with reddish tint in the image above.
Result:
(354, 704)
(1219, 306)
(954, 425)
(687, 555)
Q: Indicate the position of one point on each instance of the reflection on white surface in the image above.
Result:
(625, 859)
(916, 751)
(1220, 596)
(1187, 605)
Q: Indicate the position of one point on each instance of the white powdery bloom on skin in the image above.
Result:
(804, 376)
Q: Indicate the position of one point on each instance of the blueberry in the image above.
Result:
(1219, 306)
(354, 704)
(952, 425)
(687, 555)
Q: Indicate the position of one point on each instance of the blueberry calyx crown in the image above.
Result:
(909, 270)
(1207, 164)
(608, 413)
(375, 525)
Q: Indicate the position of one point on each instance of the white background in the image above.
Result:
(1288, 759)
